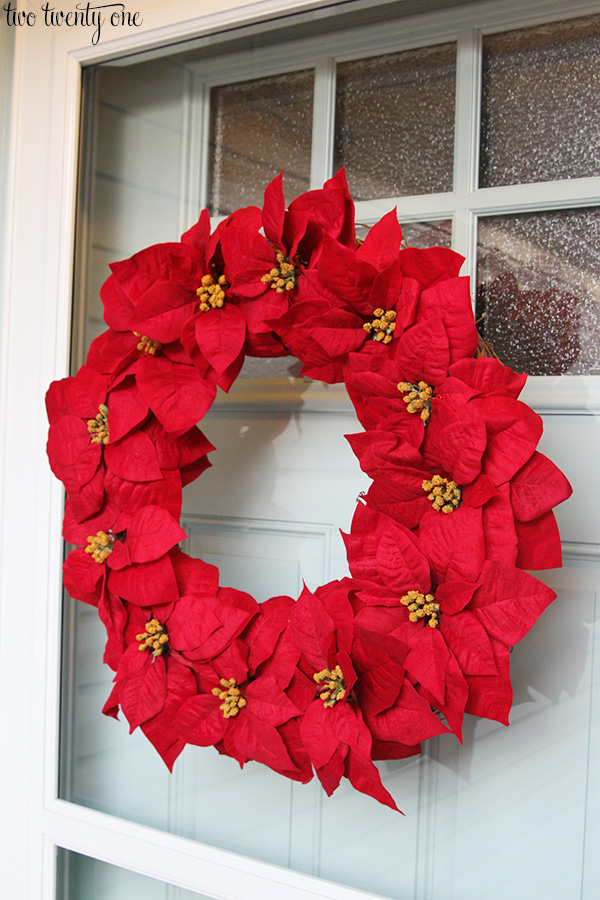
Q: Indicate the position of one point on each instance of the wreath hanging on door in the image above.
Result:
(360, 669)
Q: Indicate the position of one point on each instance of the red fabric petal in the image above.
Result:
(382, 243)
(134, 458)
(73, 458)
(490, 696)
(537, 487)
(151, 533)
(539, 544)
(220, 334)
(127, 408)
(140, 583)
(427, 660)
(273, 211)
(468, 640)
(509, 601)
(142, 681)
(178, 395)
(83, 576)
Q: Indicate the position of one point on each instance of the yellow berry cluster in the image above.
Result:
(418, 397)
(100, 545)
(420, 606)
(146, 344)
(334, 684)
(154, 638)
(445, 495)
(282, 277)
(211, 293)
(383, 325)
(98, 427)
(231, 696)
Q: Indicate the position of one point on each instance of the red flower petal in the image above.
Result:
(142, 681)
(133, 458)
(381, 246)
(139, 583)
(73, 458)
(427, 660)
(490, 696)
(539, 544)
(509, 601)
(220, 334)
(178, 395)
(152, 532)
(537, 487)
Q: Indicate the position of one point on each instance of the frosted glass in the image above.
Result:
(81, 878)
(394, 122)
(257, 128)
(419, 234)
(541, 103)
(538, 284)
(427, 234)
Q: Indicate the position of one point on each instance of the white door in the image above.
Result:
(513, 812)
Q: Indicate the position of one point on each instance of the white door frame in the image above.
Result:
(35, 351)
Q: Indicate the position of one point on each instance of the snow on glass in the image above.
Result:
(541, 103)
(411, 151)
(538, 283)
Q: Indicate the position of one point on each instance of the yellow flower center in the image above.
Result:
(421, 606)
(98, 427)
(382, 326)
(282, 277)
(211, 293)
(154, 639)
(100, 545)
(334, 686)
(146, 344)
(418, 397)
(231, 696)
(445, 495)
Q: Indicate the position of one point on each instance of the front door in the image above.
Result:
(417, 110)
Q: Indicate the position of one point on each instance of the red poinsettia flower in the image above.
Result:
(333, 728)
(134, 568)
(350, 303)
(170, 384)
(85, 439)
(364, 302)
(158, 649)
(158, 291)
(458, 616)
(246, 713)
(471, 431)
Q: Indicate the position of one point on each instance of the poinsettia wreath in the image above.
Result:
(364, 668)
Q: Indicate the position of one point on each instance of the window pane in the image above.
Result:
(428, 234)
(541, 103)
(394, 122)
(81, 878)
(257, 128)
(538, 284)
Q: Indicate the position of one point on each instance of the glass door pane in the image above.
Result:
(540, 107)
(538, 286)
(255, 128)
(394, 122)
(83, 878)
